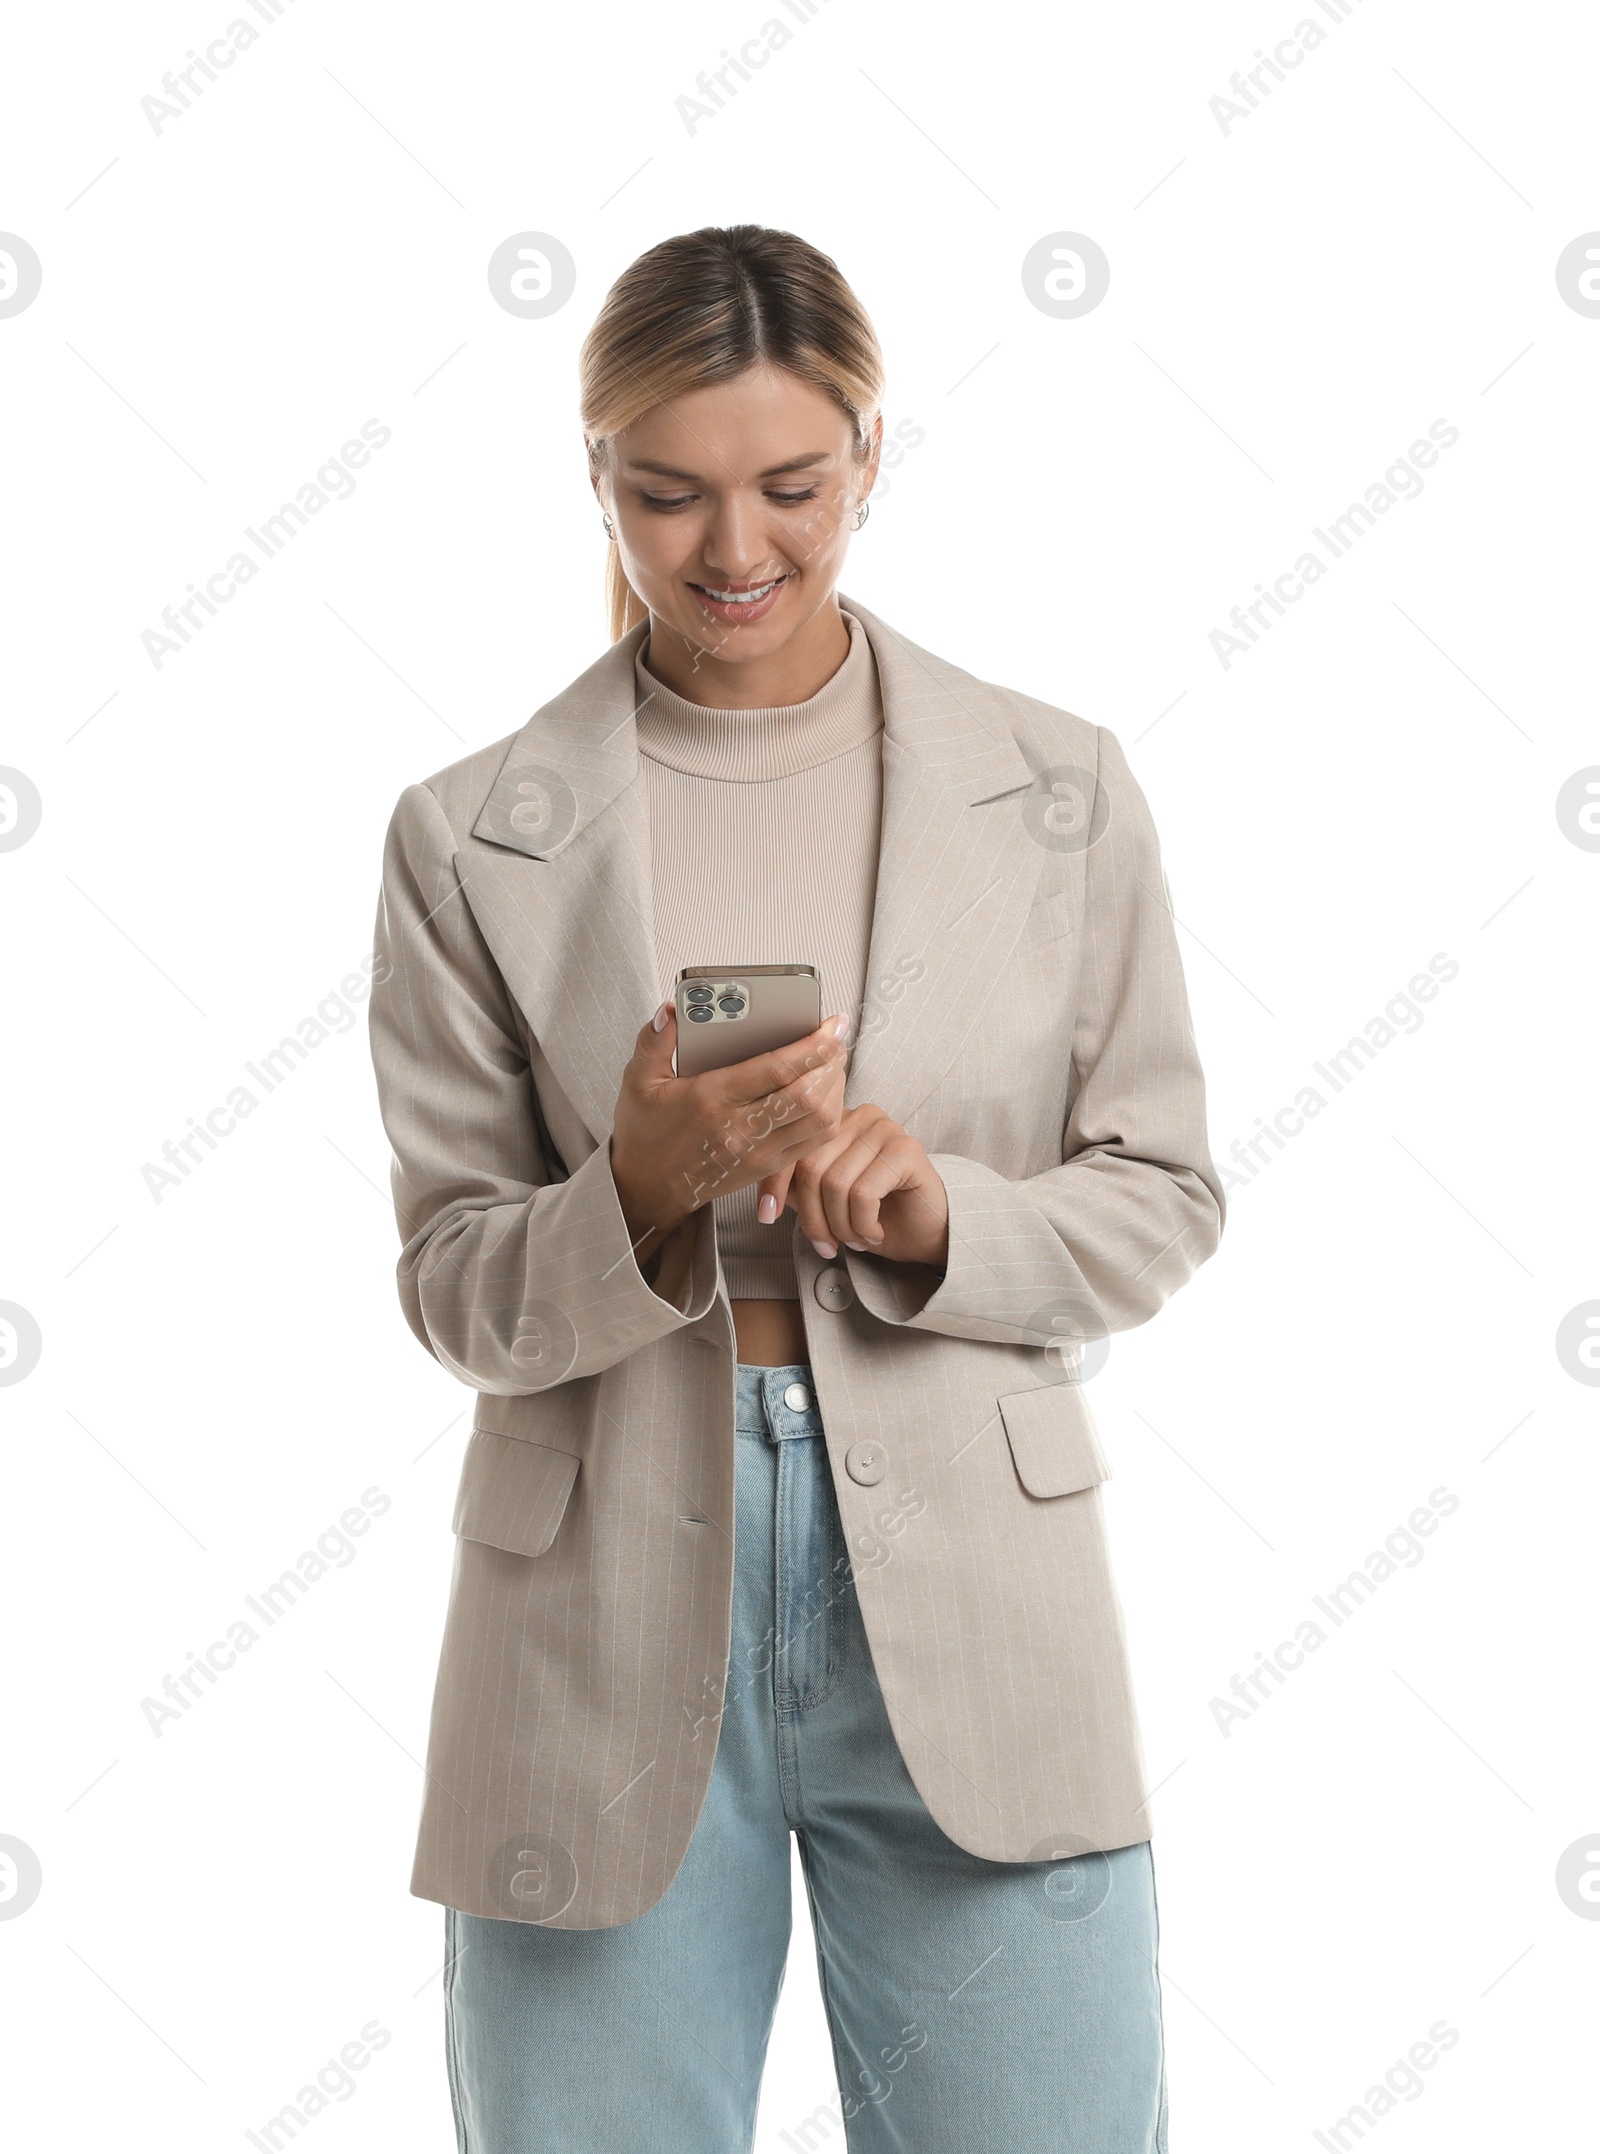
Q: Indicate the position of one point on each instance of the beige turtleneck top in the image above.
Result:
(764, 829)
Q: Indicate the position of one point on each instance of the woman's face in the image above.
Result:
(733, 508)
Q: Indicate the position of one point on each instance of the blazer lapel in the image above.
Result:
(559, 881)
(956, 873)
(559, 878)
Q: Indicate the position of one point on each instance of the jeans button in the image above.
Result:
(832, 1287)
(797, 1398)
(866, 1463)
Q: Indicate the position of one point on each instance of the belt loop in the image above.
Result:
(749, 1402)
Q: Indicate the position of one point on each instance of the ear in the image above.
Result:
(875, 450)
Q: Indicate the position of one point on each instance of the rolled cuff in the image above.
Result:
(515, 1299)
(1005, 1259)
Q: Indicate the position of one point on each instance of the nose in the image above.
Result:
(737, 548)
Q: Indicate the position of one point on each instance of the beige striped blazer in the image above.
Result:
(1025, 1017)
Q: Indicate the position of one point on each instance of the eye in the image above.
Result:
(667, 503)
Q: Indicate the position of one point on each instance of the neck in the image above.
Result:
(767, 741)
(791, 674)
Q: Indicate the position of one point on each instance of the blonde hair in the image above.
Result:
(703, 308)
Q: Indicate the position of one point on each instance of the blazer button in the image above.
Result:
(833, 1288)
(866, 1463)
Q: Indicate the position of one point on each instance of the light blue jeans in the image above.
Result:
(975, 2007)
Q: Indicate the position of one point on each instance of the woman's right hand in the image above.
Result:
(677, 1142)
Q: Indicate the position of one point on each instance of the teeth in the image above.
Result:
(741, 598)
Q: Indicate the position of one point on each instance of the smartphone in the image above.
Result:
(727, 1013)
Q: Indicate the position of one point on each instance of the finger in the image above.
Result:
(782, 1067)
(783, 1125)
(812, 1174)
(771, 1194)
(891, 1172)
(653, 1047)
(812, 1107)
(893, 1168)
(804, 1194)
(775, 1131)
(851, 1186)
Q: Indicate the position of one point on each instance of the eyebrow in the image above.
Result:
(773, 471)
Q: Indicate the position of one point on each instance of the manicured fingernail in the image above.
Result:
(767, 1210)
(660, 1018)
(825, 1249)
(855, 1245)
(841, 1025)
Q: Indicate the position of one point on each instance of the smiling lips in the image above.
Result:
(739, 602)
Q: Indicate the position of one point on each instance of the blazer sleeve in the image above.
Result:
(1098, 1243)
(513, 1273)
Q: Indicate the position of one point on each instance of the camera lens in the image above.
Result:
(698, 1014)
(697, 994)
(731, 1004)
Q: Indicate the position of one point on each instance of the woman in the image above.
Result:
(780, 1511)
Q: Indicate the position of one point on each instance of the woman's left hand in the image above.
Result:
(870, 1186)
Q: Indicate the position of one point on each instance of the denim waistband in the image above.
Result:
(776, 1403)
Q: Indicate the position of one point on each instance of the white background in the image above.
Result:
(225, 1371)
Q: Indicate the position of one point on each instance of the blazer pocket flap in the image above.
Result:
(513, 1493)
(1053, 1438)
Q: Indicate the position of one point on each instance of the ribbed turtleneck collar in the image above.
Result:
(746, 746)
